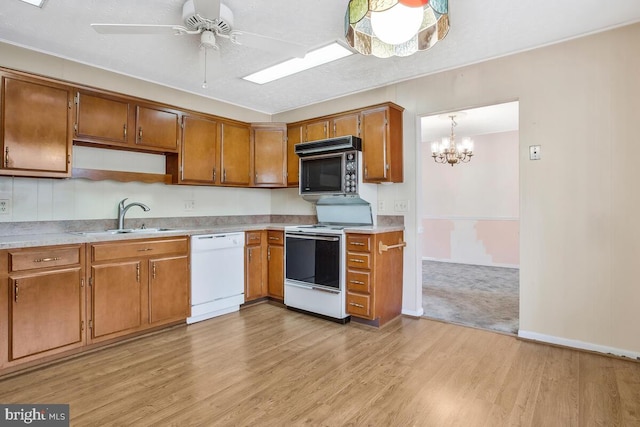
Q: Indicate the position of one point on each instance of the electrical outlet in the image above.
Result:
(5, 206)
(189, 205)
(534, 152)
(381, 206)
(401, 205)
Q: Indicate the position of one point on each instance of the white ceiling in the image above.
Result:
(479, 30)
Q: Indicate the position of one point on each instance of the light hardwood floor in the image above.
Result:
(269, 366)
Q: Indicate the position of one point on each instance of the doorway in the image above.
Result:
(469, 216)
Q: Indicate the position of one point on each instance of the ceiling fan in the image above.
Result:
(211, 20)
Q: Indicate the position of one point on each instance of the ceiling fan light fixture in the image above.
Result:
(38, 3)
(371, 27)
(314, 58)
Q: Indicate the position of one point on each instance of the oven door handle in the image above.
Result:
(313, 237)
(329, 291)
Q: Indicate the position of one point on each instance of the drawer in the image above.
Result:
(359, 242)
(358, 260)
(275, 237)
(359, 281)
(137, 249)
(253, 237)
(43, 258)
(359, 305)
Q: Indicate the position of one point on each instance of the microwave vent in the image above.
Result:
(331, 145)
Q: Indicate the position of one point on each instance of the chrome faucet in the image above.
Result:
(122, 210)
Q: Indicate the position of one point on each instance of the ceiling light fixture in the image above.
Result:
(447, 152)
(314, 58)
(38, 3)
(385, 28)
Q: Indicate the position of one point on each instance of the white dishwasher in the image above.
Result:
(217, 275)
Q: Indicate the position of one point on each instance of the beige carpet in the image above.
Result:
(479, 296)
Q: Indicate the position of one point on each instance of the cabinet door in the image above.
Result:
(254, 286)
(275, 257)
(317, 130)
(235, 154)
(269, 156)
(199, 158)
(116, 298)
(375, 144)
(36, 118)
(294, 136)
(348, 124)
(168, 289)
(101, 119)
(46, 312)
(157, 128)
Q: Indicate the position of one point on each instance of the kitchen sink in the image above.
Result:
(126, 231)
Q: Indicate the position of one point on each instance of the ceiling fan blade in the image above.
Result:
(208, 9)
(270, 44)
(139, 29)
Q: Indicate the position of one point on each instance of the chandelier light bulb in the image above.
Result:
(397, 24)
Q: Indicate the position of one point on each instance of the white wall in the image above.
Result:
(470, 212)
(579, 233)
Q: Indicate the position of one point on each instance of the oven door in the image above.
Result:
(322, 175)
(313, 260)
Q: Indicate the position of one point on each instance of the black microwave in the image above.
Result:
(330, 167)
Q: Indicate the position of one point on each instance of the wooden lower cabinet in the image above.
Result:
(374, 276)
(275, 264)
(136, 285)
(44, 303)
(255, 278)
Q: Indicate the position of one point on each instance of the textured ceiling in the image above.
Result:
(479, 30)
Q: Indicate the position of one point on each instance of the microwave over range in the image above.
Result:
(330, 167)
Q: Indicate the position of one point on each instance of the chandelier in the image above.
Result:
(385, 28)
(448, 152)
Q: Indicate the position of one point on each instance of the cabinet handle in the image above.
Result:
(269, 254)
(145, 249)
(154, 270)
(356, 305)
(356, 243)
(15, 291)
(366, 172)
(250, 256)
(214, 174)
(356, 260)
(356, 282)
(138, 273)
(140, 132)
(224, 175)
(46, 259)
(124, 130)
(6, 157)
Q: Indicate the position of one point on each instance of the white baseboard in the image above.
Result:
(534, 336)
(413, 313)
(425, 258)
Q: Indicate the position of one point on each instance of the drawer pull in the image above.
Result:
(357, 243)
(273, 238)
(356, 260)
(356, 282)
(356, 305)
(47, 259)
(145, 249)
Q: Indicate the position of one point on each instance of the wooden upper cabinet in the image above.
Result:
(37, 127)
(317, 130)
(235, 154)
(294, 136)
(101, 119)
(381, 133)
(157, 128)
(199, 155)
(269, 155)
(348, 124)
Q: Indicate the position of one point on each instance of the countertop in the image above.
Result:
(51, 239)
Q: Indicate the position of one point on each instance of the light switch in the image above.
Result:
(534, 152)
